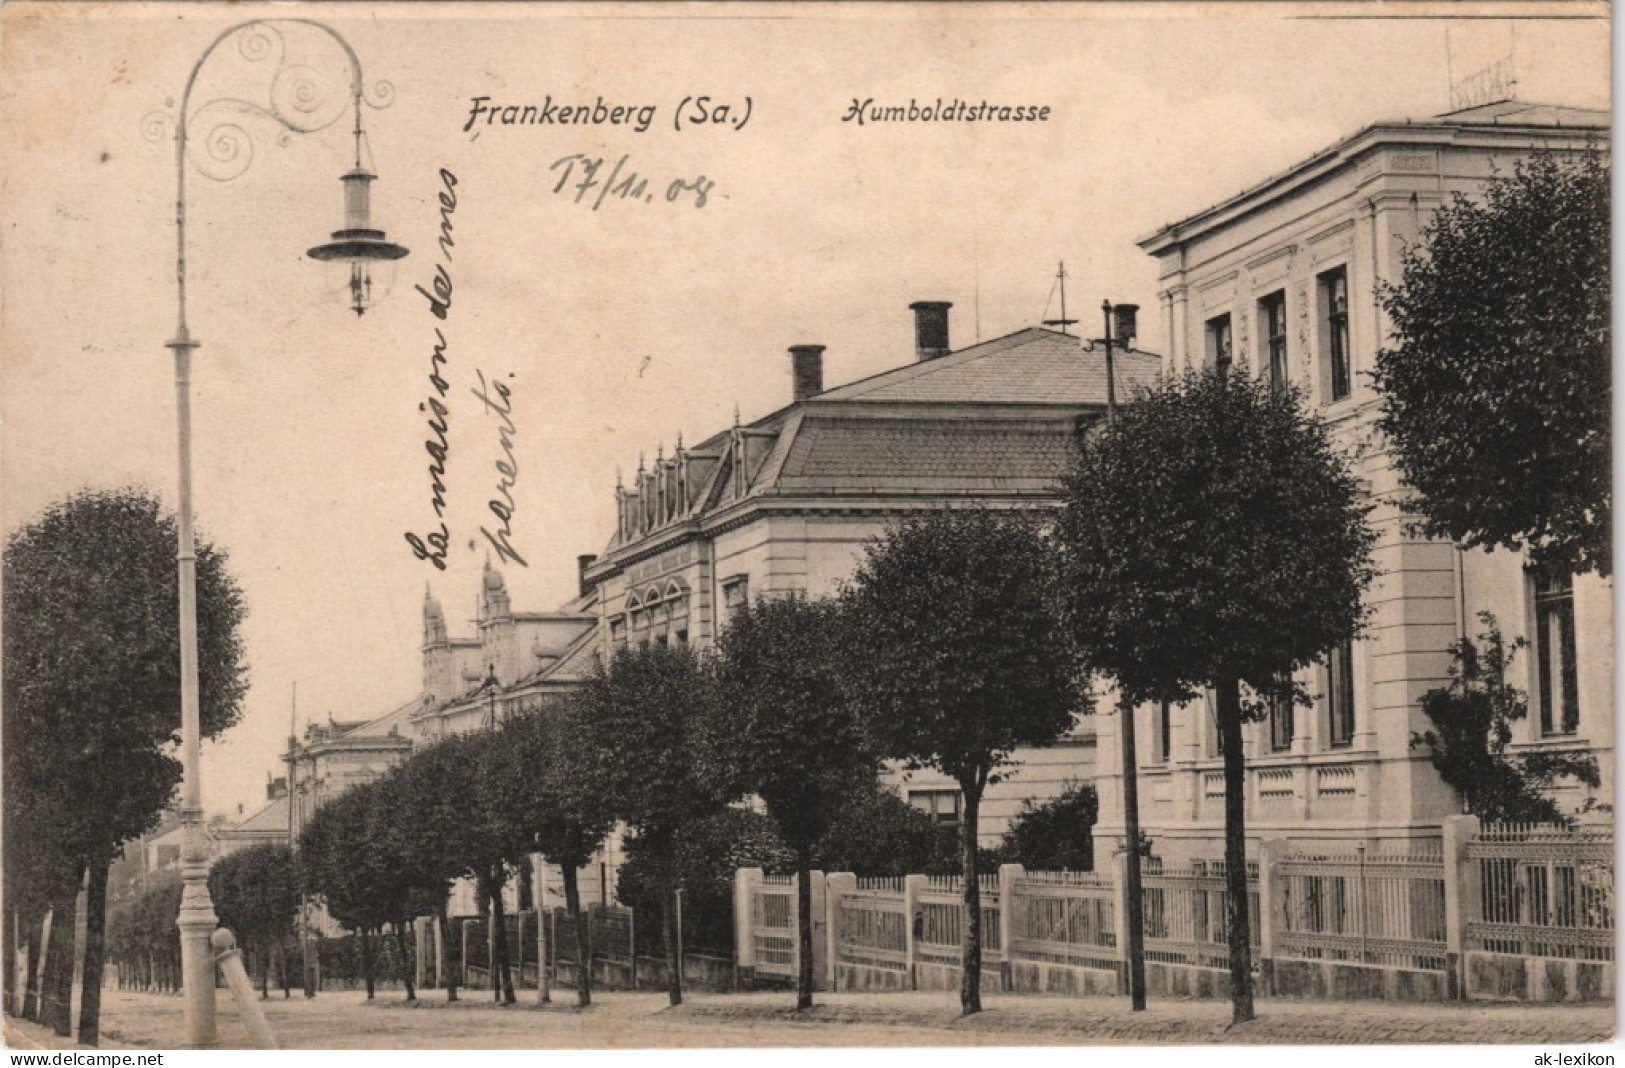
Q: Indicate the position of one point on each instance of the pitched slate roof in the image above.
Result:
(390, 723)
(1521, 113)
(273, 817)
(578, 662)
(1031, 366)
(995, 419)
(914, 456)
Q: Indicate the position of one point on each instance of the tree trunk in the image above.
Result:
(446, 967)
(1228, 701)
(406, 962)
(501, 976)
(31, 981)
(90, 993)
(366, 960)
(13, 924)
(56, 994)
(282, 967)
(804, 973)
(262, 957)
(307, 966)
(970, 945)
(543, 981)
(572, 905)
(1131, 867)
(674, 966)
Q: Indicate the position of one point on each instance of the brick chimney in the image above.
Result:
(807, 369)
(930, 328)
(584, 561)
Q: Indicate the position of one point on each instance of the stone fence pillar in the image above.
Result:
(1271, 908)
(835, 884)
(912, 885)
(1461, 900)
(819, 922)
(746, 881)
(1008, 874)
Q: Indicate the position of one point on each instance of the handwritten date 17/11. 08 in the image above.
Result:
(593, 182)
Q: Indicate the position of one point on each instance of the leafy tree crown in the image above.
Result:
(954, 654)
(1212, 532)
(783, 729)
(1496, 389)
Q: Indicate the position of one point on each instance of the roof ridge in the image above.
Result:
(917, 368)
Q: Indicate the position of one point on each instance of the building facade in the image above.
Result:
(788, 503)
(1281, 282)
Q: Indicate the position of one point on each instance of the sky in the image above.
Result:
(615, 325)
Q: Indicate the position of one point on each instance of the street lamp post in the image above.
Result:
(1123, 315)
(294, 101)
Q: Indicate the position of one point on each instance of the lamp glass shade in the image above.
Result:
(357, 243)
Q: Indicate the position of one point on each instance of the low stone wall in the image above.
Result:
(1185, 980)
(1041, 977)
(932, 976)
(1343, 981)
(863, 978)
(1502, 977)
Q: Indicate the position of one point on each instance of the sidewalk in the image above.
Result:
(622, 1020)
(1171, 1021)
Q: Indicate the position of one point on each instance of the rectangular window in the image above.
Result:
(941, 805)
(1218, 343)
(1280, 723)
(617, 633)
(1164, 748)
(1340, 694)
(1556, 664)
(1334, 316)
(735, 592)
(1272, 328)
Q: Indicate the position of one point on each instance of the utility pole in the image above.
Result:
(302, 928)
(1124, 314)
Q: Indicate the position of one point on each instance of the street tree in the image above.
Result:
(784, 732)
(643, 721)
(346, 856)
(1496, 389)
(256, 896)
(955, 655)
(548, 777)
(142, 936)
(92, 700)
(1213, 538)
(425, 832)
(497, 835)
(1470, 743)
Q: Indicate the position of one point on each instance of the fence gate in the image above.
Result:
(773, 925)
(872, 926)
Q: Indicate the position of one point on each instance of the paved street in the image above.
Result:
(631, 1021)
